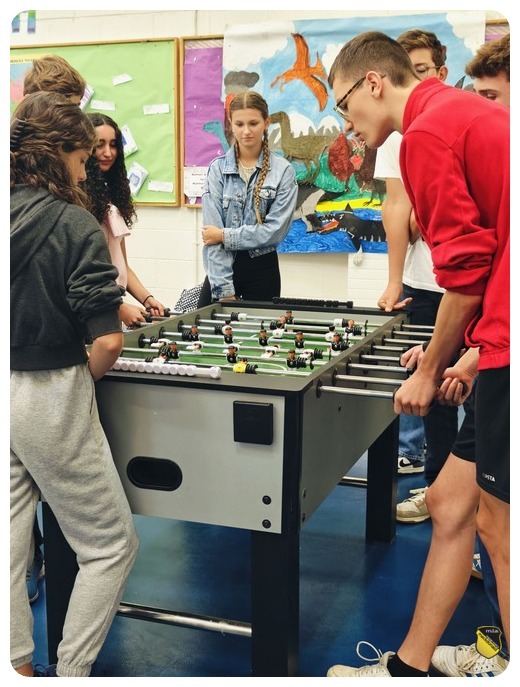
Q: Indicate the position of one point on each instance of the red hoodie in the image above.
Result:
(454, 160)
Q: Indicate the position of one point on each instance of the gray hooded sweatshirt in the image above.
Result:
(63, 287)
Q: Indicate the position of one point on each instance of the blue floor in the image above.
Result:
(350, 591)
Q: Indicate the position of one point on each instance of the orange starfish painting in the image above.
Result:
(302, 70)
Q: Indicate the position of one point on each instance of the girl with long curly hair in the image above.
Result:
(63, 291)
(113, 206)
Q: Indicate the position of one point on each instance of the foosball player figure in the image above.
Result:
(289, 319)
(227, 331)
(231, 355)
(299, 341)
(292, 361)
(244, 367)
(338, 345)
(262, 338)
(197, 347)
(279, 330)
(353, 328)
(270, 351)
(193, 334)
(169, 351)
(349, 329)
(329, 336)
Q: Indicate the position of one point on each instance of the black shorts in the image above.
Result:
(492, 432)
(464, 446)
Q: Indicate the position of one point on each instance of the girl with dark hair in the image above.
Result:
(112, 205)
(63, 290)
(248, 204)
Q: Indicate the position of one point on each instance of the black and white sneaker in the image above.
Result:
(405, 466)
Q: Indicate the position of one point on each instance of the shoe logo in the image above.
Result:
(489, 640)
(490, 478)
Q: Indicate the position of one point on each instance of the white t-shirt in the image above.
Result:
(418, 265)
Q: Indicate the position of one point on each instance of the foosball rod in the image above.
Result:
(369, 380)
(288, 329)
(177, 336)
(424, 327)
(410, 342)
(158, 365)
(384, 368)
(245, 317)
(400, 332)
(345, 391)
(255, 358)
(375, 347)
(382, 358)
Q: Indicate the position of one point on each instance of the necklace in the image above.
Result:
(246, 169)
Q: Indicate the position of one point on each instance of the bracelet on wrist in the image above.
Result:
(147, 297)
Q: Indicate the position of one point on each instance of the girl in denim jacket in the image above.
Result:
(248, 204)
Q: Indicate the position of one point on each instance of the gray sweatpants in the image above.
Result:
(58, 446)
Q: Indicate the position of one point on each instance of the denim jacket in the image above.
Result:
(228, 204)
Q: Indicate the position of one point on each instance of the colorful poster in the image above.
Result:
(339, 202)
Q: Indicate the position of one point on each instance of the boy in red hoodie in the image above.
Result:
(454, 160)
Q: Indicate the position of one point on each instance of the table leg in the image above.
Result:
(275, 604)
(60, 573)
(382, 485)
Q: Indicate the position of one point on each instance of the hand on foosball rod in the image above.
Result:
(131, 315)
(415, 395)
(155, 307)
(453, 391)
(412, 357)
(457, 380)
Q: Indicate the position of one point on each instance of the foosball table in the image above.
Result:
(270, 387)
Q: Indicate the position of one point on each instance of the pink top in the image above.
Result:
(115, 229)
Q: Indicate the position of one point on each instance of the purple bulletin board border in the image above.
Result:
(202, 107)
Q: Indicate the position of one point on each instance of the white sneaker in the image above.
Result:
(414, 508)
(465, 661)
(378, 670)
(405, 466)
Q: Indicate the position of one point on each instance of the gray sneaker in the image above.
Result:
(414, 508)
(466, 661)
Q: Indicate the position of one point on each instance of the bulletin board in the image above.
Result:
(202, 120)
(496, 28)
(134, 83)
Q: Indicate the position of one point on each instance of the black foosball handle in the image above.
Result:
(280, 300)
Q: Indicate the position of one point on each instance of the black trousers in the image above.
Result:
(255, 279)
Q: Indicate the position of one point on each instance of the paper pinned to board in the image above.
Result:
(121, 78)
(136, 176)
(160, 108)
(102, 105)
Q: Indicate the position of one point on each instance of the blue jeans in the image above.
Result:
(441, 423)
(411, 436)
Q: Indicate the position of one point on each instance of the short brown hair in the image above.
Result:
(373, 50)
(491, 59)
(418, 38)
(54, 74)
